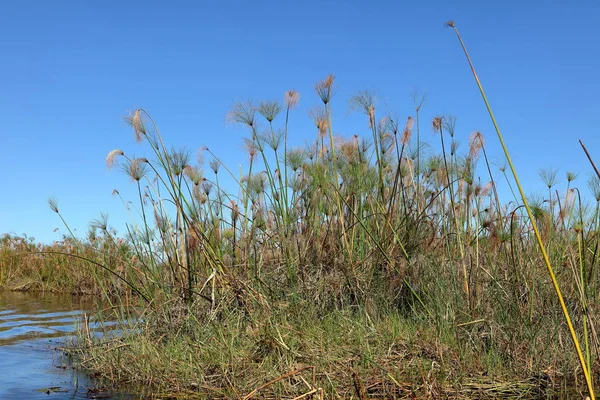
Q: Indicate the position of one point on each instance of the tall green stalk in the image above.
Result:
(559, 295)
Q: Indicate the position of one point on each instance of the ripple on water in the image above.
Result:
(32, 327)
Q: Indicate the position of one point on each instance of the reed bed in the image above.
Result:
(370, 266)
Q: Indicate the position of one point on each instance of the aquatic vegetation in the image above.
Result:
(372, 265)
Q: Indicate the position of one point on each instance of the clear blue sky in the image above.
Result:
(70, 70)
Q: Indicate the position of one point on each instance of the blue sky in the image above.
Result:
(71, 70)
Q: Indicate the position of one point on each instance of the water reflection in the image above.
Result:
(33, 327)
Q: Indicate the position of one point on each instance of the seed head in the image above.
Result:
(137, 168)
(475, 144)
(215, 165)
(365, 101)
(291, 98)
(571, 176)
(269, 109)
(137, 123)
(325, 89)
(594, 186)
(111, 157)
(53, 204)
(407, 131)
(250, 147)
(235, 211)
(319, 117)
(242, 113)
(486, 189)
(207, 187)
(193, 174)
(436, 123)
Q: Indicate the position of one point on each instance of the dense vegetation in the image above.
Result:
(362, 266)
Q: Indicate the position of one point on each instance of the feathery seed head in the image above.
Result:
(387, 143)
(410, 123)
(569, 199)
(251, 147)
(325, 89)
(193, 174)
(418, 98)
(198, 195)
(365, 101)
(319, 117)
(256, 183)
(486, 189)
(548, 176)
(349, 149)
(272, 138)
(295, 159)
(111, 157)
(391, 125)
(454, 147)
(242, 113)
(206, 187)
(269, 109)
(178, 160)
(215, 165)
(371, 113)
(436, 123)
(136, 121)
(53, 204)
(235, 211)
(136, 169)
(594, 185)
(291, 98)
(475, 144)
(162, 223)
(449, 123)
(200, 155)
(407, 131)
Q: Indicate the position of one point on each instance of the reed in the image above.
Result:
(549, 178)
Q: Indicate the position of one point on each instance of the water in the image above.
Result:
(33, 327)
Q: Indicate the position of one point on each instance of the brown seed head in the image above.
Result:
(235, 211)
(291, 98)
(111, 157)
(324, 89)
(475, 144)
(486, 189)
(319, 117)
(137, 123)
(407, 131)
(371, 113)
(137, 169)
(436, 124)
(250, 147)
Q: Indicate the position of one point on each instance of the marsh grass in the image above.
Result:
(65, 266)
(360, 266)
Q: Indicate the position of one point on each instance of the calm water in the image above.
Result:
(32, 327)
